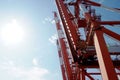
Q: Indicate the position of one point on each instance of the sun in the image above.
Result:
(12, 33)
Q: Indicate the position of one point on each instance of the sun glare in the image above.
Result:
(12, 33)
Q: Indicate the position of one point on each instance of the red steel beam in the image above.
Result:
(61, 61)
(109, 22)
(63, 48)
(111, 33)
(100, 73)
(89, 76)
(94, 73)
(82, 74)
(89, 37)
(105, 62)
(78, 74)
(71, 28)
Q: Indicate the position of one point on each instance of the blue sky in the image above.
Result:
(35, 56)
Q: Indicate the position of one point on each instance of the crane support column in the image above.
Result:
(105, 62)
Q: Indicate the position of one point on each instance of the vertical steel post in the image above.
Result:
(105, 62)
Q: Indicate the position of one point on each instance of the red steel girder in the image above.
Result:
(82, 74)
(100, 73)
(76, 6)
(111, 33)
(89, 36)
(105, 63)
(70, 27)
(89, 76)
(109, 22)
(63, 48)
(66, 60)
(61, 61)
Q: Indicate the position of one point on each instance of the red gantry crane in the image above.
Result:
(89, 58)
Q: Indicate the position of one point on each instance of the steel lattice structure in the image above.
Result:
(78, 56)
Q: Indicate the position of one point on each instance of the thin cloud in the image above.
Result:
(48, 20)
(53, 21)
(101, 1)
(53, 39)
(32, 73)
(35, 61)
